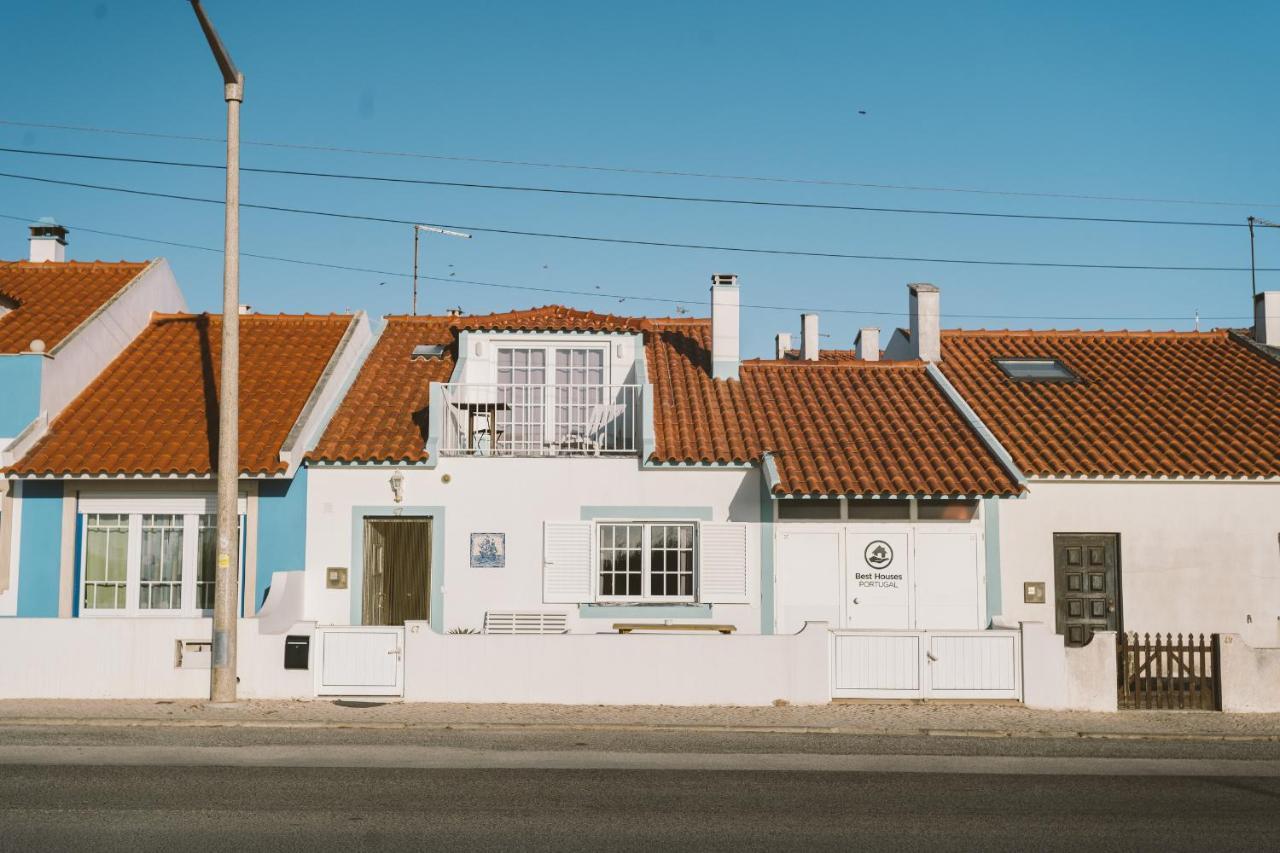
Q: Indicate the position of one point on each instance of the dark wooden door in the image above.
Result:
(1087, 581)
(397, 570)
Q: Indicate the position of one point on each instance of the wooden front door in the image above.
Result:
(397, 570)
(1087, 581)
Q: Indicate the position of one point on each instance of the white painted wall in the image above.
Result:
(614, 669)
(514, 496)
(1058, 678)
(1250, 677)
(135, 659)
(1194, 556)
(85, 352)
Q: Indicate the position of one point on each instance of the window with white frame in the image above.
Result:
(640, 561)
(138, 563)
(548, 394)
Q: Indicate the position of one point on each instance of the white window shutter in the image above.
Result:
(566, 562)
(723, 563)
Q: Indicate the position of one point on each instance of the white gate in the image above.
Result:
(926, 665)
(360, 660)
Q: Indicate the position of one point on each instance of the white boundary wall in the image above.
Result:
(1056, 677)
(1250, 677)
(135, 659)
(613, 669)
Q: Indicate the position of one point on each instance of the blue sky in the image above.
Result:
(1164, 100)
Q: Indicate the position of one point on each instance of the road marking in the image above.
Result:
(455, 758)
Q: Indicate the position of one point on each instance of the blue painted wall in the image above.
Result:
(991, 536)
(282, 529)
(20, 385)
(40, 549)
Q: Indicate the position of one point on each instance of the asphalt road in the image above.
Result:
(210, 790)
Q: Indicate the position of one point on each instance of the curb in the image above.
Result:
(146, 722)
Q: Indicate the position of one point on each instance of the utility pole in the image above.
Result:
(222, 681)
(434, 230)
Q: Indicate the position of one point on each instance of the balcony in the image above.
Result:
(539, 420)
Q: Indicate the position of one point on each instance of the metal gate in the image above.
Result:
(360, 660)
(926, 665)
(1169, 674)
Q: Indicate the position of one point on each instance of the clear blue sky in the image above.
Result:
(1170, 100)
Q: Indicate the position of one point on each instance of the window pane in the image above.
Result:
(809, 510)
(946, 510)
(880, 510)
(206, 561)
(106, 561)
(160, 586)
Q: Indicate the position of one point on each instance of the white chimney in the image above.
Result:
(926, 332)
(48, 241)
(782, 345)
(809, 337)
(724, 326)
(1266, 318)
(869, 344)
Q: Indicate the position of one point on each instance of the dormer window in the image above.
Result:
(1036, 370)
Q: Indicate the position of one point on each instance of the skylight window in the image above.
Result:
(1036, 369)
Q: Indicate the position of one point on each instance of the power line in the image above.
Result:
(633, 196)
(637, 242)
(593, 293)
(670, 173)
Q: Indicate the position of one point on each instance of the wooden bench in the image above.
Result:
(628, 627)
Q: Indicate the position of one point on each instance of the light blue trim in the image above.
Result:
(771, 477)
(355, 583)
(20, 378)
(766, 555)
(644, 611)
(991, 541)
(435, 424)
(701, 513)
(725, 369)
(967, 412)
(282, 530)
(40, 549)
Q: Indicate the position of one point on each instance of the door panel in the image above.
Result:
(354, 661)
(808, 578)
(1087, 582)
(877, 574)
(946, 581)
(397, 570)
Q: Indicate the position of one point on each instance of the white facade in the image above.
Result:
(1195, 556)
(517, 497)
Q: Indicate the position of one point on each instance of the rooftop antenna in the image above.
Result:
(418, 229)
(1253, 267)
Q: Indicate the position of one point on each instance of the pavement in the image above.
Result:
(870, 718)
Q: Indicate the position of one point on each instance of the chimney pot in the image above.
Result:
(48, 241)
(725, 334)
(782, 345)
(1266, 318)
(926, 331)
(809, 337)
(869, 344)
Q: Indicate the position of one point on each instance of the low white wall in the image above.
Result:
(613, 669)
(1250, 677)
(106, 658)
(1058, 678)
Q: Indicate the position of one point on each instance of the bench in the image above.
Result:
(628, 627)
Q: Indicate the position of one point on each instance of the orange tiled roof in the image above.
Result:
(54, 298)
(833, 428)
(550, 318)
(1148, 404)
(383, 417)
(154, 410)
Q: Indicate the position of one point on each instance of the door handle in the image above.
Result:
(855, 601)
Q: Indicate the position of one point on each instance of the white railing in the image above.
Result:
(539, 420)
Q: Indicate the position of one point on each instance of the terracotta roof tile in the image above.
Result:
(550, 318)
(154, 409)
(1148, 404)
(833, 427)
(55, 298)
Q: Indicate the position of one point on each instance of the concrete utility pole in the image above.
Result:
(417, 229)
(222, 683)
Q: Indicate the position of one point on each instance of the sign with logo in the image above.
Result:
(876, 580)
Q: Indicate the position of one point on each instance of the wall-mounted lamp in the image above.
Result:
(397, 486)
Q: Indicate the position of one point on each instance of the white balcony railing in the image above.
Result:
(539, 420)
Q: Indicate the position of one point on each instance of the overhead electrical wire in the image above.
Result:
(638, 171)
(599, 293)
(636, 242)
(765, 203)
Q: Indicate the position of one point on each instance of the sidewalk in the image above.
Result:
(956, 719)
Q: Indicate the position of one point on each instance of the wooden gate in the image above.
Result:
(1168, 674)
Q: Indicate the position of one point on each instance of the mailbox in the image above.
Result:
(297, 652)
